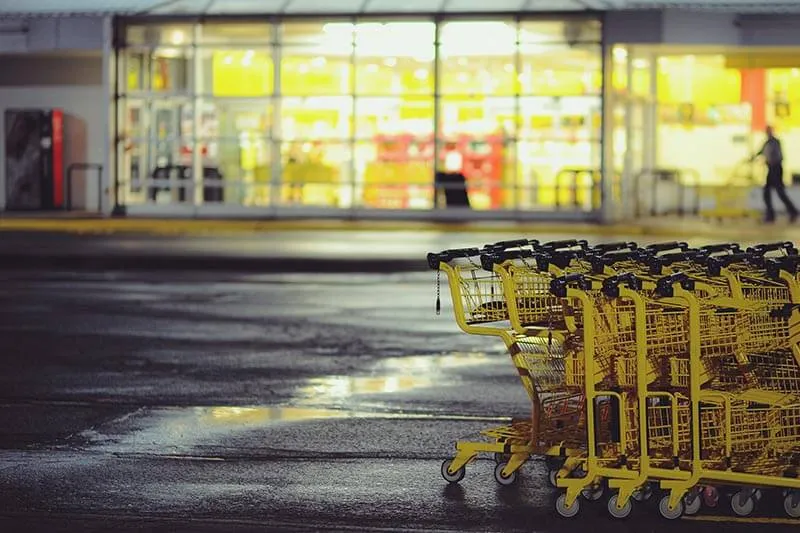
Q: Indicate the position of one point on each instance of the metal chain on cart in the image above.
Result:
(438, 291)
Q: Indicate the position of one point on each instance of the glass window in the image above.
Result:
(572, 32)
(478, 58)
(234, 72)
(394, 172)
(314, 71)
(408, 115)
(485, 161)
(236, 119)
(236, 33)
(334, 36)
(316, 174)
(163, 70)
(477, 115)
(560, 70)
(237, 171)
(394, 58)
(152, 35)
(316, 118)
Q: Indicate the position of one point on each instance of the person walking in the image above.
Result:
(773, 157)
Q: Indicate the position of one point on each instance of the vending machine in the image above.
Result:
(34, 161)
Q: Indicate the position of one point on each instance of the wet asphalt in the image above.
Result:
(235, 402)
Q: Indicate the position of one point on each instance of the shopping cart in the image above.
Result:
(671, 367)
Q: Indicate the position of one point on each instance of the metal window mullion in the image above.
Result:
(517, 114)
(437, 104)
(276, 168)
(353, 88)
(606, 126)
(196, 91)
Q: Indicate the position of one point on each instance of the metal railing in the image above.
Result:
(666, 191)
(70, 174)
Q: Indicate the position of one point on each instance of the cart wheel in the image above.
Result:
(791, 504)
(554, 463)
(500, 457)
(742, 504)
(563, 510)
(500, 478)
(643, 493)
(593, 493)
(710, 496)
(454, 477)
(666, 512)
(552, 476)
(692, 504)
(616, 512)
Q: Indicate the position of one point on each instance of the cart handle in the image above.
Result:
(489, 260)
(657, 263)
(666, 285)
(558, 286)
(762, 249)
(717, 263)
(600, 261)
(611, 285)
(725, 247)
(666, 246)
(554, 246)
(505, 245)
(789, 264)
(607, 247)
(560, 259)
(446, 256)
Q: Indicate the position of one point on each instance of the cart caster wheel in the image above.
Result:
(643, 493)
(742, 504)
(500, 457)
(454, 477)
(666, 512)
(616, 512)
(552, 476)
(692, 504)
(791, 504)
(593, 494)
(710, 497)
(500, 478)
(563, 510)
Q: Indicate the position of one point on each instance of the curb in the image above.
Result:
(200, 227)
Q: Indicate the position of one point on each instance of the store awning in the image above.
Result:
(232, 7)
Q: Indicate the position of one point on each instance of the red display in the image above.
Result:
(58, 158)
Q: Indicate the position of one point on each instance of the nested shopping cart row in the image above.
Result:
(680, 366)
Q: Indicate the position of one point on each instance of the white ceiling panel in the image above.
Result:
(409, 6)
(324, 6)
(475, 6)
(238, 7)
(43, 7)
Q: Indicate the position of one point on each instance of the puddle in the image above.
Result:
(182, 430)
(397, 374)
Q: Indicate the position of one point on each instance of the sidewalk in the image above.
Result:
(309, 245)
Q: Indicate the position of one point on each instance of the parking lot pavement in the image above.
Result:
(241, 402)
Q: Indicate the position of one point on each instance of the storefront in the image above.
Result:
(322, 115)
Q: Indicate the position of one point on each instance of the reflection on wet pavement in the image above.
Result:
(392, 375)
(182, 430)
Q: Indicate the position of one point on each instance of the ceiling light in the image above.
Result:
(177, 37)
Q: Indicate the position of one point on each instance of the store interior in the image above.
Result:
(336, 114)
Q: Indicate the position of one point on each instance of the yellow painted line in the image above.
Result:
(745, 520)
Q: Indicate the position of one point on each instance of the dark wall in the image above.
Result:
(49, 70)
